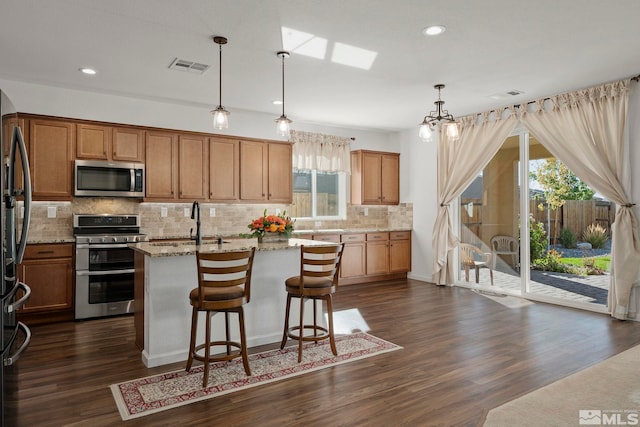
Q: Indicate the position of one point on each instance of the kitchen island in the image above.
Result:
(166, 273)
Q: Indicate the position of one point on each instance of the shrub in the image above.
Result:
(596, 235)
(567, 238)
(552, 261)
(591, 268)
(537, 239)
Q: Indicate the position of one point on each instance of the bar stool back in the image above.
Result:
(224, 285)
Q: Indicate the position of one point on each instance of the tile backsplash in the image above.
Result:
(216, 219)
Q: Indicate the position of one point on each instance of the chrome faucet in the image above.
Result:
(195, 214)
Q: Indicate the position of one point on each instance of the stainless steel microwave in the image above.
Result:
(108, 179)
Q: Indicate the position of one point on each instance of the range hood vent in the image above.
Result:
(188, 66)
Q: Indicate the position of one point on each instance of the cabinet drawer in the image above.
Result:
(356, 237)
(327, 237)
(400, 235)
(377, 236)
(40, 251)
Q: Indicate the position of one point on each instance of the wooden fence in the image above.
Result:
(576, 215)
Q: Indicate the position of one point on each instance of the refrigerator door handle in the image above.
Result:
(19, 303)
(15, 356)
(17, 133)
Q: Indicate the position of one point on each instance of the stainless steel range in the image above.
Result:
(104, 263)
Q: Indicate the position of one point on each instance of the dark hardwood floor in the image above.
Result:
(463, 355)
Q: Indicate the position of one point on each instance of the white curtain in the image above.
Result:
(459, 162)
(586, 130)
(317, 151)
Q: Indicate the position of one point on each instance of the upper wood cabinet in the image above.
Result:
(109, 143)
(160, 166)
(51, 153)
(375, 178)
(7, 133)
(192, 165)
(265, 172)
(224, 169)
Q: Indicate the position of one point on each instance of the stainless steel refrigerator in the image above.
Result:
(15, 185)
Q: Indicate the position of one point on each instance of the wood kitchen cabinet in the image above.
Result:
(353, 262)
(265, 172)
(51, 153)
(224, 169)
(377, 253)
(97, 142)
(7, 133)
(375, 178)
(161, 152)
(399, 251)
(193, 166)
(48, 270)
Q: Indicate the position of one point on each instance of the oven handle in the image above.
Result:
(103, 246)
(15, 356)
(19, 303)
(104, 273)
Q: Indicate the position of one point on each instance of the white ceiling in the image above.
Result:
(540, 47)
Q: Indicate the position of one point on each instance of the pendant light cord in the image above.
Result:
(283, 84)
(220, 78)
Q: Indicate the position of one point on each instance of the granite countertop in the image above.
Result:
(347, 230)
(167, 249)
(41, 240)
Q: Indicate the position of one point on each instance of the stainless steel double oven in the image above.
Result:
(104, 264)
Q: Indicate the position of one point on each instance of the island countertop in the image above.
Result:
(181, 248)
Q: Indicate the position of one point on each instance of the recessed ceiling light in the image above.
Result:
(276, 102)
(433, 30)
(89, 71)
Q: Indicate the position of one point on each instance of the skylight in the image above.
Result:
(303, 43)
(353, 56)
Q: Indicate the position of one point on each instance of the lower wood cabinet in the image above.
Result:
(399, 251)
(48, 270)
(353, 262)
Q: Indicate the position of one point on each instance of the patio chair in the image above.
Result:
(471, 256)
(505, 245)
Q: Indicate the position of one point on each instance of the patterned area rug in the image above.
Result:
(157, 393)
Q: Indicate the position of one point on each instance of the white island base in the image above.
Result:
(169, 277)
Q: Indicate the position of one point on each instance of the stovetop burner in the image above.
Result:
(107, 228)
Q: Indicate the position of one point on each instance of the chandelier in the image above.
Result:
(283, 122)
(437, 118)
(220, 115)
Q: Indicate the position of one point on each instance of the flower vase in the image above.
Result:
(273, 238)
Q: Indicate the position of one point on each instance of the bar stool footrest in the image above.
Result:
(237, 352)
(315, 328)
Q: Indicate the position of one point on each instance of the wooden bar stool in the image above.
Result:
(318, 280)
(224, 285)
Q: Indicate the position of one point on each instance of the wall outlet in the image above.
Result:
(163, 212)
(21, 211)
(212, 212)
(187, 212)
(366, 211)
(51, 211)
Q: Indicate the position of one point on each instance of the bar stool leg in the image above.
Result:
(315, 318)
(192, 342)
(286, 322)
(207, 351)
(301, 330)
(332, 340)
(227, 332)
(243, 343)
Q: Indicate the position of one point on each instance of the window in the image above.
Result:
(319, 195)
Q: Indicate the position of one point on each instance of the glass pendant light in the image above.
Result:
(283, 122)
(220, 115)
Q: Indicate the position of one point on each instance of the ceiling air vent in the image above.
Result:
(188, 66)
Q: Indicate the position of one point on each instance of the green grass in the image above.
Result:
(601, 262)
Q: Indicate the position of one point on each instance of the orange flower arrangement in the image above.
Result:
(271, 224)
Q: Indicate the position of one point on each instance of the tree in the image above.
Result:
(559, 184)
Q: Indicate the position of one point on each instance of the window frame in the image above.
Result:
(342, 197)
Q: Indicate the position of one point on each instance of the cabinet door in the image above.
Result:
(353, 260)
(371, 178)
(224, 169)
(93, 141)
(160, 167)
(377, 257)
(253, 170)
(400, 256)
(280, 173)
(390, 179)
(127, 145)
(51, 148)
(192, 160)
